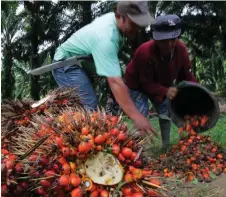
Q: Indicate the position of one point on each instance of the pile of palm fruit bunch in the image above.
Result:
(195, 158)
(52, 148)
(55, 147)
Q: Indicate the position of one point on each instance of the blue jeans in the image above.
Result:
(141, 101)
(75, 76)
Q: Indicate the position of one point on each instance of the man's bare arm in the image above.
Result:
(121, 93)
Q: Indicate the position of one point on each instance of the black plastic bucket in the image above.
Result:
(194, 99)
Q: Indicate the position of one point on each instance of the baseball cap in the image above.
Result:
(166, 27)
(137, 11)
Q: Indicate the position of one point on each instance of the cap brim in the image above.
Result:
(157, 35)
(142, 20)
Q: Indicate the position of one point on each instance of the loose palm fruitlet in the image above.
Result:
(195, 158)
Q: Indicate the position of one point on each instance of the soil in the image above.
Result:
(221, 184)
(222, 104)
(216, 188)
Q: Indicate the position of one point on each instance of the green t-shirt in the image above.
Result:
(102, 40)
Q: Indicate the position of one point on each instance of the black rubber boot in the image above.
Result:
(165, 126)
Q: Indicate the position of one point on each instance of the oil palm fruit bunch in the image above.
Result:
(20, 112)
(73, 152)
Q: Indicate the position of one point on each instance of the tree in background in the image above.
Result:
(30, 38)
(10, 26)
(205, 35)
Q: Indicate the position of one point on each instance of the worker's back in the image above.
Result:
(84, 40)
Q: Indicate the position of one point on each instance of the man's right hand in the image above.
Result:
(144, 127)
(121, 93)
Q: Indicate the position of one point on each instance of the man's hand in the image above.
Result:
(121, 93)
(171, 93)
(144, 127)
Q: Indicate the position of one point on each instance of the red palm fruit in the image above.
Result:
(59, 141)
(43, 107)
(10, 164)
(152, 193)
(188, 127)
(84, 147)
(146, 172)
(66, 168)
(65, 151)
(73, 151)
(24, 185)
(106, 135)
(43, 161)
(128, 178)
(127, 191)
(85, 131)
(115, 149)
(4, 189)
(180, 130)
(94, 187)
(133, 156)
(4, 151)
(12, 156)
(19, 167)
(132, 168)
(130, 143)
(114, 120)
(138, 194)
(45, 183)
(77, 192)
(75, 181)
(100, 139)
(99, 148)
(104, 193)
(137, 163)
(121, 157)
(33, 157)
(62, 160)
(122, 136)
(50, 173)
(114, 132)
(64, 180)
(155, 181)
(219, 156)
(127, 152)
(41, 191)
(94, 194)
(56, 167)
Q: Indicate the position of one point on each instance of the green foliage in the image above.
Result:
(10, 24)
(30, 39)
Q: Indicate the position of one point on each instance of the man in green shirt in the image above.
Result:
(103, 39)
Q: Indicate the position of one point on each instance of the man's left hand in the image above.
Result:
(171, 93)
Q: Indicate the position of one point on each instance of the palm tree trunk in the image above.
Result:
(8, 80)
(86, 12)
(34, 38)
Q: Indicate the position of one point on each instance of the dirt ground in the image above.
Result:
(216, 188)
(222, 104)
(221, 184)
